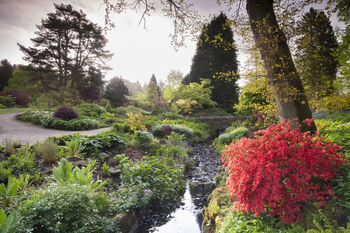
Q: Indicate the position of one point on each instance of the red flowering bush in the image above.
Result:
(280, 171)
(65, 113)
(20, 97)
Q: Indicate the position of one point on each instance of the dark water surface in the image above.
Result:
(187, 217)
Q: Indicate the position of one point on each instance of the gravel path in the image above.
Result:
(29, 133)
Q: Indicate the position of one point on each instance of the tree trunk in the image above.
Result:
(282, 74)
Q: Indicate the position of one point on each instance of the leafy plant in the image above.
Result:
(5, 170)
(280, 170)
(9, 224)
(65, 173)
(142, 140)
(64, 208)
(23, 159)
(8, 194)
(134, 121)
(65, 113)
(75, 147)
(7, 101)
(48, 151)
(175, 139)
(9, 146)
(105, 169)
(22, 181)
(20, 97)
(91, 110)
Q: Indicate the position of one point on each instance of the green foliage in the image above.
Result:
(45, 119)
(201, 130)
(63, 208)
(316, 46)
(105, 169)
(216, 59)
(325, 225)
(9, 224)
(152, 177)
(335, 127)
(8, 194)
(192, 97)
(9, 146)
(257, 97)
(134, 121)
(212, 112)
(123, 111)
(175, 139)
(90, 110)
(121, 127)
(153, 95)
(7, 101)
(5, 170)
(6, 70)
(48, 150)
(22, 181)
(23, 159)
(116, 91)
(142, 140)
(158, 130)
(233, 135)
(75, 147)
(65, 174)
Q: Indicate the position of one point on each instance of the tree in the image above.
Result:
(23, 79)
(216, 59)
(269, 39)
(316, 47)
(66, 47)
(116, 91)
(174, 78)
(153, 94)
(282, 75)
(189, 98)
(6, 70)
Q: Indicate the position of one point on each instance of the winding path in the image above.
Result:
(29, 133)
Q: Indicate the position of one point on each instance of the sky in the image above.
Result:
(139, 52)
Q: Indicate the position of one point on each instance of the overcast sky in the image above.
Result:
(138, 52)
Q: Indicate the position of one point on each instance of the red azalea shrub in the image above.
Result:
(20, 97)
(280, 171)
(65, 113)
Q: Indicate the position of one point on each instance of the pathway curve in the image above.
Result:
(29, 133)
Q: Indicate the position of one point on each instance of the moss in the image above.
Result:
(219, 206)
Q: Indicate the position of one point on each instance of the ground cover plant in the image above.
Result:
(85, 181)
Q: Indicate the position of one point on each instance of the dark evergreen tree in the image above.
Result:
(116, 91)
(316, 46)
(67, 45)
(216, 59)
(6, 70)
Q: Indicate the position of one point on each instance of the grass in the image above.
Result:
(12, 110)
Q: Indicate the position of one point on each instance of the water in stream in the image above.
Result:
(187, 217)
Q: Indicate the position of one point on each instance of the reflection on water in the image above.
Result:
(183, 218)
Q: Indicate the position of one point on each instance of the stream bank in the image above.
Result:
(186, 216)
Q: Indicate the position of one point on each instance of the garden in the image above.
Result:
(254, 144)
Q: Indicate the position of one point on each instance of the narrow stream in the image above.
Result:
(187, 216)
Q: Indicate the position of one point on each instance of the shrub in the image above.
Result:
(91, 110)
(2, 106)
(7, 101)
(90, 93)
(65, 113)
(332, 103)
(280, 170)
(121, 127)
(63, 208)
(48, 151)
(134, 121)
(142, 140)
(20, 97)
(232, 135)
